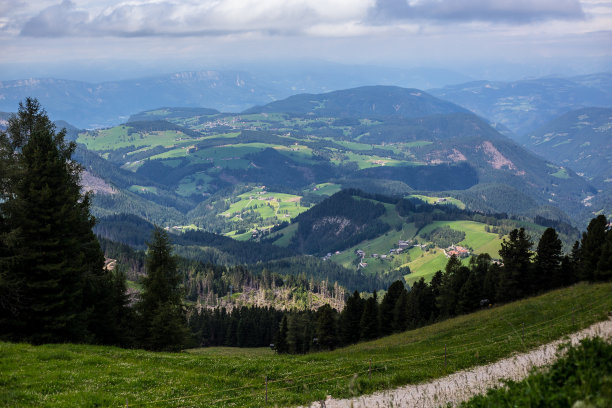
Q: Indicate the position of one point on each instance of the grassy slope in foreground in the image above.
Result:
(80, 375)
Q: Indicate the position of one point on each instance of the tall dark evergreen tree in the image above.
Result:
(591, 247)
(281, 345)
(400, 313)
(327, 333)
(388, 305)
(162, 317)
(350, 319)
(547, 265)
(48, 253)
(604, 265)
(515, 279)
(369, 323)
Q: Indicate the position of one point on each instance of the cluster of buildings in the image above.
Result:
(458, 251)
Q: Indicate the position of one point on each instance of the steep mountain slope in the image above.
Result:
(523, 106)
(580, 140)
(373, 138)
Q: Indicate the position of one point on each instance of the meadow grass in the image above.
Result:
(60, 375)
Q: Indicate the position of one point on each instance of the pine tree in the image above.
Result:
(160, 305)
(547, 265)
(388, 305)
(591, 246)
(515, 278)
(295, 334)
(47, 249)
(604, 265)
(369, 323)
(400, 313)
(280, 344)
(326, 328)
(350, 318)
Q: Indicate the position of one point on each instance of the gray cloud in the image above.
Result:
(174, 19)
(511, 11)
(56, 21)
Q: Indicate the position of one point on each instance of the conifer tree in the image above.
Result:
(162, 316)
(48, 253)
(350, 319)
(400, 313)
(591, 247)
(515, 279)
(369, 319)
(547, 266)
(604, 265)
(388, 305)
(326, 328)
(281, 337)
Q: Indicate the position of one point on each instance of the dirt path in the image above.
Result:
(465, 384)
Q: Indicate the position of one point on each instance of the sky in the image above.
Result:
(112, 39)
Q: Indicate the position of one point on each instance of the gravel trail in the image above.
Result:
(462, 385)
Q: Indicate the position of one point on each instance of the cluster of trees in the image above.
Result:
(53, 284)
(242, 327)
(52, 281)
(444, 236)
(457, 290)
(337, 223)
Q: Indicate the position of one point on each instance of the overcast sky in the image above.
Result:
(140, 36)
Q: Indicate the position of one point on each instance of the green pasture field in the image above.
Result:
(475, 236)
(298, 153)
(426, 264)
(189, 184)
(62, 375)
(433, 200)
(369, 161)
(117, 137)
(285, 235)
(381, 246)
(327, 189)
(279, 202)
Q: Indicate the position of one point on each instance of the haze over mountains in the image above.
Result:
(519, 106)
(94, 105)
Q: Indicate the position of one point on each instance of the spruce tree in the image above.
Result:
(326, 328)
(400, 313)
(369, 323)
(388, 305)
(591, 247)
(47, 249)
(350, 318)
(515, 278)
(280, 344)
(162, 316)
(604, 265)
(547, 265)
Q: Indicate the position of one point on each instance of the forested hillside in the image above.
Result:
(580, 140)
(242, 174)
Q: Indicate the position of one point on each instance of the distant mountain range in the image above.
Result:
(513, 107)
(95, 105)
(580, 140)
(523, 106)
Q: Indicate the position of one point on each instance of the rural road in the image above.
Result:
(464, 384)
